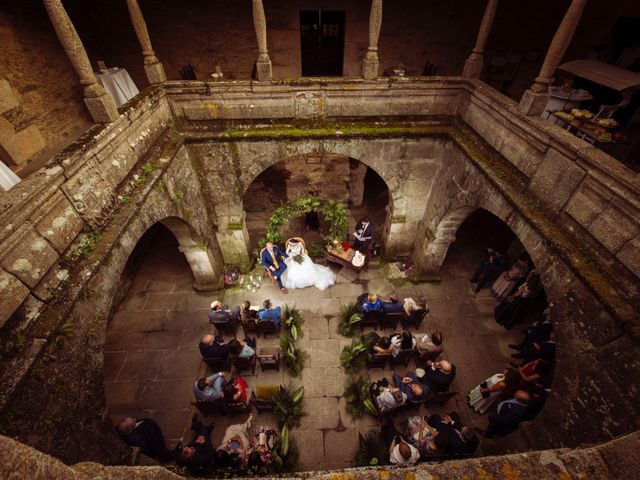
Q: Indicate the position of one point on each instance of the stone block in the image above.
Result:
(8, 99)
(6, 129)
(310, 446)
(629, 254)
(586, 205)
(61, 223)
(556, 180)
(340, 446)
(24, 144)
(30, 259)
(13, 294)
(613, 229)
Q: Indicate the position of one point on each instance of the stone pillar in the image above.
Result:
(429, 256)
(202, 265)
(263, 64)
(100, 105)
(535, 99)
(152, 66)
(371, 63)
(475, 63)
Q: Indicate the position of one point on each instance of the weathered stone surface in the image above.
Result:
(629, 254)
(556, 180)
(8, 98)
(13, 294)
(30, 259)
(61, 223)
(613, 229)
(24, 144)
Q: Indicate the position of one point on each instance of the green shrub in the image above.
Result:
(350, 320)
(353, 356)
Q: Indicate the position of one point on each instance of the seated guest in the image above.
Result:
(534, 371)
(410, 305)
(403, 341)
(393, 305)
(508, 414)
(211, 347)
(460, 439)
(221, 313)
(236, 392)
(269, 312)
(223, 460)
(208, 389)
(384, 346)
(243, 349)
(439, 375)
(146, 434)
(427, 439)
(236, 438)
(262, 455)
(401, 452)
(538, 332)
(247, 315)
(430, 346)
(545, 350)
(390, 398)
(510, 310)
(372, 303)
(411, 386)
(199, 452)
(489, 269)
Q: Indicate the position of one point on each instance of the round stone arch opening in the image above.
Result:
(292, 177)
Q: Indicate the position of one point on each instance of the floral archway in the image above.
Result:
(333, 212)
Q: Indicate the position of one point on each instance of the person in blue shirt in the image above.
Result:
(372, 303)
(269, 312)
(208, 389)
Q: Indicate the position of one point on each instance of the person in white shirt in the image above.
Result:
(401, 452)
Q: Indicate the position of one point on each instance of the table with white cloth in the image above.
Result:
(7, 178)
(118, 84)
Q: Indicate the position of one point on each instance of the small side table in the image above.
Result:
(269, 358)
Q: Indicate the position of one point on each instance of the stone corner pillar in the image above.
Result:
(475, 63)
(534, 100)
(371, 63)
(205, 274)
(429, 254)
(152, 66)
(264, 71)
(101, 106)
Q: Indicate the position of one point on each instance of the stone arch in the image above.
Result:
(257, 157)
(196, 252)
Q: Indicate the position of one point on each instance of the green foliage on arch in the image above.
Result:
(333, 212)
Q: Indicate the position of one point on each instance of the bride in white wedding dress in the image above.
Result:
(301, 272)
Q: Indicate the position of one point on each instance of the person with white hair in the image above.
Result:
(222, 313)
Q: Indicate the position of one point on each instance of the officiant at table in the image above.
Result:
(363, 236)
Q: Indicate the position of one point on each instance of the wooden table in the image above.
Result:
(344, 258)
(586, 131)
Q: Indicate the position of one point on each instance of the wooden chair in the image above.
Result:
(228, 326)
(241, 364)
(371, 318)
(267, 326)
(414, 319)
(377, 360)
(269, 359)
(439, 398)
(241, 407)
(218, 364)
(214, 407)
(390, 320)
(263, 400)
(249, 327)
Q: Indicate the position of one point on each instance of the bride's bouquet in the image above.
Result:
(298, 259)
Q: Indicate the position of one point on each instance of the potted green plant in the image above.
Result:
(350, 320)
(292, 357)
(288, 409)
(358, 397)
(292, 320)
(371, 450)
(353, 356)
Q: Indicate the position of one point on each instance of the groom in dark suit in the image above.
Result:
(273, 259)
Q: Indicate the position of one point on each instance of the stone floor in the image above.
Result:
(152, 358)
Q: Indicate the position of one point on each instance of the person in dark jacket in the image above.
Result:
(199, 452)
(145, 434)
(438, 375)
(460, 439)
(213, 347)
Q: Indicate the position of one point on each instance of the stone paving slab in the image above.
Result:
(310, 444)
(318, 328)
(162, 394)
(324, 353)
(341, 446)
(124, 395)
(322, 414)
(141, 365)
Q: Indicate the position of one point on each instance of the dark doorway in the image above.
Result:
(322, 42)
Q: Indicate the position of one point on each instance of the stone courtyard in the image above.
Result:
(152, 357)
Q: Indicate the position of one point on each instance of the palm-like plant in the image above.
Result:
(350, 320)
(292, 320)
(371, 450)
(288, 409)
(292, 357)
(353, 356)
(358, 397)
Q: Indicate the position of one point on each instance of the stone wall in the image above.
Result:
(615, 459)
(186, 153)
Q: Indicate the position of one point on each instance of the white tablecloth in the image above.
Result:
(7, 178)
(118, 84)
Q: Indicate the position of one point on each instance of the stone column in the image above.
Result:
(474, 64)
(152, 66)
(429, 256)
(100, 105)
(203, 267)
(535, 99)
(371, 63)
(263, 64)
